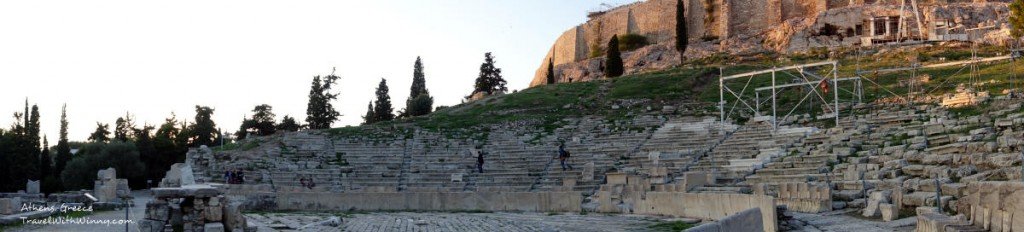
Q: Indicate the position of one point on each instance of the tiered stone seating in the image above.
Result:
(748, 149)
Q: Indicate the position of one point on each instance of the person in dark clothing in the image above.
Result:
(241, 177)
(480, 161)
(563, 156)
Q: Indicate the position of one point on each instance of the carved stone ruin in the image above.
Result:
(32, 187)
(108, 188)
(194, 207)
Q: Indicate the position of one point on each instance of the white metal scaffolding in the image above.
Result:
(809, 79)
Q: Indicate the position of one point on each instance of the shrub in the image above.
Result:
(629, 42)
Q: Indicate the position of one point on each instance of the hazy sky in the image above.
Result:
(152, 58)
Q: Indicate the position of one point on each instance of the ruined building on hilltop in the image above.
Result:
(753, 26)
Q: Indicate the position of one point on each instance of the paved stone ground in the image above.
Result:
(841, 221)
(137, 213)
(405, 221)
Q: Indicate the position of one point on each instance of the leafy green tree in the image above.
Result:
(6, 148)
(123, 128)
(382, 110)
(148, 154)
(63, 148)
(203, 130)
(551, 71)
(420, 102)
(320, 112)
(288, 124)
(613, 64)
(489, 81)
(124, 157)
(682, 38)
(100, 135)
(261, 123)
(369, 117)
(20, 156)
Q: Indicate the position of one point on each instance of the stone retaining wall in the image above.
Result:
(428, 201)
(805, 197)
(747, 220)
(707, 206)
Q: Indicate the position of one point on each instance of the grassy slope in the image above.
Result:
(551, 103)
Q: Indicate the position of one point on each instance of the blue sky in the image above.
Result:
(152, 58)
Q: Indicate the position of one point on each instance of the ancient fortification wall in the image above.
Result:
(753, 26)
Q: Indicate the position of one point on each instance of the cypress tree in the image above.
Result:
(63, 148)
(382, 110)
(46, 176)
(682, 38)
(613, 64)
(420, 102)
(551, 71)
(34, 148)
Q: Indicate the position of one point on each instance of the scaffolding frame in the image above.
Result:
(833, 76)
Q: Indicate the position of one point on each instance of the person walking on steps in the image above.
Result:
(563, 156)
(480, 161)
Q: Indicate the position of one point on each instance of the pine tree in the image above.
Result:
(613, 64)
(261, 123)
(551, 71)
(63, 148)
(101, 135)
(288, 124)
(382, 110)
(123, 128)
(369, 117)
(682, 39)
(489, 81)
(203, 130)
(320, 112)
(420, 102)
